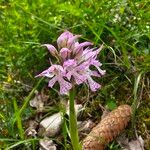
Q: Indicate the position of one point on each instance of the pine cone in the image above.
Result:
(108, 128)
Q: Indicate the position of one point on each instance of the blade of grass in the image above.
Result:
(7, 139)
(27, 99)
(18, 119)
(2, 116)
(94, 32)
(38, 18)
(115, 56)
(64, 132)
(19, 143)
(124, 51)
(135, 102)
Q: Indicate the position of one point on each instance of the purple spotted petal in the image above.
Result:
(85, 55)
(45, 73)
(64, 86)
(91, 53)
(79, 48)
(72, 41)
(57, 70)
(70, 63)
(97, 64)
(81, 45)
(95, 74)
(97, 51)
(75, 71)
(52, 82)
(59, 77)
(94, 86)
(79, 78)
(69, 66)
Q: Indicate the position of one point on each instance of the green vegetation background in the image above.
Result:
(121, 25)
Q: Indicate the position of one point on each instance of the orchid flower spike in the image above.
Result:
(76, 61)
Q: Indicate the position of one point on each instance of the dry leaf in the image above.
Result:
(47, 144)
(50, 126)
(78, 109)
(31, 130)
(105, 111)
(137, 144)
(84, 127)
(38, 101)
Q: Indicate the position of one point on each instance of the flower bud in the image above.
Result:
(64, 53)
(63, 39)
(51, 49)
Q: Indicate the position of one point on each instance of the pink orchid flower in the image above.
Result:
(75, 63)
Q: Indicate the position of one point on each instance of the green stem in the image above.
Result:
(73, 122)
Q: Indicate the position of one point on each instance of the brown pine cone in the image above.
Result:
(108, 128)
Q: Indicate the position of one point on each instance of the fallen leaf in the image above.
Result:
(84, 127)
(51, 125)
(38, 101)
(31, 130)
(47, 144)
(137, 144)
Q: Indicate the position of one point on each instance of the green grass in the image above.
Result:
(123, 28)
